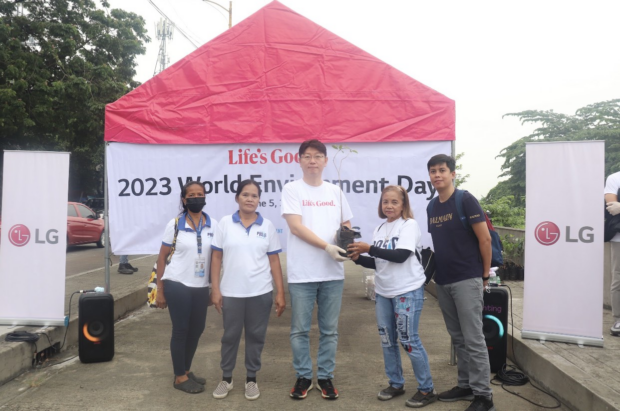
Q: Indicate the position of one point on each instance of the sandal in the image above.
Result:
(199, 380)
(189, 386)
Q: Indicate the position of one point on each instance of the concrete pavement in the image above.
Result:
(140, 376)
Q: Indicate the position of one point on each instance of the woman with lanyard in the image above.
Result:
(399, 289)
(245, 250)
(183, 282)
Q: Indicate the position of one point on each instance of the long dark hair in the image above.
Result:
(184, 193)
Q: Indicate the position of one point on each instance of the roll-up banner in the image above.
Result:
(33, 242)
(145, 180)
(563, 290)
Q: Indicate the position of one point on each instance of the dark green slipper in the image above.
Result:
(199, 380)
(190, 386)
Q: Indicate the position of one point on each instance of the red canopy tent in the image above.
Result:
(278, 77)
(265, 85)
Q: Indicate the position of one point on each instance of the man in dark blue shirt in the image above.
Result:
(463, 261)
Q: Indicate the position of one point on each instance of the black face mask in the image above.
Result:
(195, 204)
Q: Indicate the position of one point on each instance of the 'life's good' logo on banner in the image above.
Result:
(547, 233)
(19, 235)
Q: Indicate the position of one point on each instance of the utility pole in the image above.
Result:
(164, 30)
(228, 10)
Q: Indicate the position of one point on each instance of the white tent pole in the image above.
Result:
(106, 220)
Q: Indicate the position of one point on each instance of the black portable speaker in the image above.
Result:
(495, 326)
(96, 327)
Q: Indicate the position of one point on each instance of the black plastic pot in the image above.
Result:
(346, 236)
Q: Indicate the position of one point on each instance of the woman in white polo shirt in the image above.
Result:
(183, 282)
(245, 252)
(399, 289)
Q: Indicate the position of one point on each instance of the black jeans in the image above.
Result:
(188, 312)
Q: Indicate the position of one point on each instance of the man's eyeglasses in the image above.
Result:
(308, 157)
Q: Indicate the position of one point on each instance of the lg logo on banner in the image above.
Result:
(19, 235)
(548, 233)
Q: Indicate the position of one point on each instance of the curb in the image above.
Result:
(17, 357)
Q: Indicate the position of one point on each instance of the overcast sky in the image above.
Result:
(491, 57)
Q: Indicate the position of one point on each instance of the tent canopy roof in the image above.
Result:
(278, 77)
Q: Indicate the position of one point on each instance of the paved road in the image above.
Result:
(87, 257)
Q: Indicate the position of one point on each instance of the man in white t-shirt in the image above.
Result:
(613, 206)
(314, 210)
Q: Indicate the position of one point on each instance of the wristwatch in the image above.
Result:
(486, 278)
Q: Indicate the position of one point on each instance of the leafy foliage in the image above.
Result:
(61, 62)
(504, 211)
(599, 121)
(460, 178)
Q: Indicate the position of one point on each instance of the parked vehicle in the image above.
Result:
(97, 205)
(84, 225)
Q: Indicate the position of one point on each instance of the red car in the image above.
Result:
(84, 225)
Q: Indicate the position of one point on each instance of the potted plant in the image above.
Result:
(344, 235)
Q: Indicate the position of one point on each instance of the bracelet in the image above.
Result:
(486, 278)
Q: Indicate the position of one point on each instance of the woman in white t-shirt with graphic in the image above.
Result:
(399, 288)
(183, 282)
(245, 261)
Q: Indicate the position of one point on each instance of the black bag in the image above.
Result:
(427, 259)
(612, 224)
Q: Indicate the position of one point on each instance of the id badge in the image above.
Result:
(199, 267)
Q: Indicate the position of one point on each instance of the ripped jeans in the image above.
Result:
(398, 319)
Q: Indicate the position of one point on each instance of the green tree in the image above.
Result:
(504, 211)
(599, 121)
(460, 178)
(61, 62)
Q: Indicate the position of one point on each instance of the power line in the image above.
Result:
(174, 25)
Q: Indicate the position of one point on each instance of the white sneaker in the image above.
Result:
(251, 391)
(222, 389)
(615, 329)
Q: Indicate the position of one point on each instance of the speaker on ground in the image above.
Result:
(96, 327)
(495, 326)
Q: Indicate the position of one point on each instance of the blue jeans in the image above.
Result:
(328, 295)
(123, 259)
(398, 319)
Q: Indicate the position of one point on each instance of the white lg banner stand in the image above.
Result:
(33, 247)
(563, 290)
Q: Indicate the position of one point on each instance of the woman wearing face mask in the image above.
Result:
(183, 282)
(245, 249)
(399, 288)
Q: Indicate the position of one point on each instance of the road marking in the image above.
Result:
(103, 268)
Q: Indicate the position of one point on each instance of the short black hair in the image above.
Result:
(441, 159)
(315, 144)
(245, 183)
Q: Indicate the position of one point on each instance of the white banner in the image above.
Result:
(33, 247)
(563, 296)
(144, 183)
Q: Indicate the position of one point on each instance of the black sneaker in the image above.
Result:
(301, 388)
(481, 403)
(327, 389)
(123, 269)
(390, 392)
(128, 265)
(456, 394)
(420, 400)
